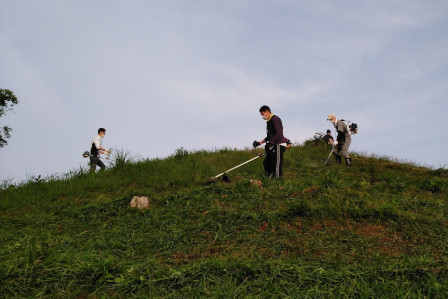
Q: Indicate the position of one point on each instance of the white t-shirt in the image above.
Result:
(97, 141)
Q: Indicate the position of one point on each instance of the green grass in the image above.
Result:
(379, 229)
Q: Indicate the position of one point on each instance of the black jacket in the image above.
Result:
(274, 128)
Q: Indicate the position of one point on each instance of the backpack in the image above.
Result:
(352, 127)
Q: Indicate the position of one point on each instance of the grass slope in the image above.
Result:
(378, 229)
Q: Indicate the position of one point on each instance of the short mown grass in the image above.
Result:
(379, 229)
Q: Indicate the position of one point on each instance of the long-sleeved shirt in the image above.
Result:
(327, 138)
(274, 128)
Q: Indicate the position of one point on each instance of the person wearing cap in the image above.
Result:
(343, 140)
(276, 143)
(328, 138)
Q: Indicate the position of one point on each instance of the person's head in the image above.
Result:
(265, 112)
(101, 132)
(328, 132)
(332, 118)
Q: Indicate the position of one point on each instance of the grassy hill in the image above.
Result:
(379, 229)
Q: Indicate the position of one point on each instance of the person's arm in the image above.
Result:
(257, 143)
(98, 146)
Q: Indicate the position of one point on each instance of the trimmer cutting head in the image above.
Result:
(212, 180)
(225, 178)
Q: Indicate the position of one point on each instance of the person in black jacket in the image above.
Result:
(328, 139)
(275, 143)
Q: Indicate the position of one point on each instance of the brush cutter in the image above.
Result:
(86, 154)
(352, 127)
(225, 177)
(332, 150)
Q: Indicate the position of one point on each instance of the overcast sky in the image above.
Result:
(160, 75)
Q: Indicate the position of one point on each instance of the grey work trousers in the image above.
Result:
(343, 148)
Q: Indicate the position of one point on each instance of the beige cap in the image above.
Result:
(330, 116)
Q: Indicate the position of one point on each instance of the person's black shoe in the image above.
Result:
(349, 162)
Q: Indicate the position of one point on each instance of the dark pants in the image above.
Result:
(95, 161)
(273, 163)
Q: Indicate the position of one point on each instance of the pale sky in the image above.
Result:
(160, 75)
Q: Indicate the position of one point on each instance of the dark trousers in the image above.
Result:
(273, 163)
(95, 161)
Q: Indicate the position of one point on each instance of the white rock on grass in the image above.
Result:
(139, 202)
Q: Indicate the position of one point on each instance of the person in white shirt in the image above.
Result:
(96, 150)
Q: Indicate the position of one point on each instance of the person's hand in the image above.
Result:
(334, 143)
(255, 143)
